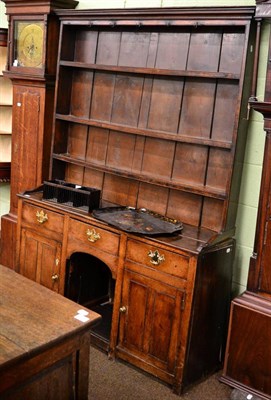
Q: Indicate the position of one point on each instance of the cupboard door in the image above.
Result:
(247, 363)
(150, 320)
(264, 244)
(40, 259)
(265, 278)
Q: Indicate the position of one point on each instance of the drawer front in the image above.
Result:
(43, 219)
(90, 235)
(155, 257)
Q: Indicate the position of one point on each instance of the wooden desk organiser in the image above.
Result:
(71, 194)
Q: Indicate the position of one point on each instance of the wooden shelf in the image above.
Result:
(5, 148)
(5, 113)
(6, 119)
(146, 132)
(4, 172)
(151, 71)
(195, 189)
(261, 106)
(150, 116)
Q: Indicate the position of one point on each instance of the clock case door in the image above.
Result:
(28, 46)
(47, 48)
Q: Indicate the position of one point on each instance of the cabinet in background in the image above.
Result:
(5, 112)
(247, 361)
(5, 102)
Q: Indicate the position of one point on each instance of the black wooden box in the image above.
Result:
(71, 194)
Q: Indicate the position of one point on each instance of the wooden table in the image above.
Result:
(44, 349)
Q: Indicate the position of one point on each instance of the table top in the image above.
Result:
(33, 317)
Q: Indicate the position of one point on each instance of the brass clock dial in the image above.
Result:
(29, 44)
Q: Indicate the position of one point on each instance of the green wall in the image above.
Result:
(252, 168)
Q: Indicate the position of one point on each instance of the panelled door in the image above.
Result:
(40, 259)
(150, 320)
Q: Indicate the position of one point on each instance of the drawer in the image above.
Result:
(42, 218)
(155, 257)
(90, 235)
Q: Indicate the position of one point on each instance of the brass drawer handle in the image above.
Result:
(41, 217)
(92, 235)
(155, 257)
(55, 277)
(123, 309)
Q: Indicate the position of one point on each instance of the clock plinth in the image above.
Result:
(31, 66)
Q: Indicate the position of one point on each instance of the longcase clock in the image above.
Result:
(32, 54)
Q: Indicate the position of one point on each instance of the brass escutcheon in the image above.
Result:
(55, 277)
(41, 217)
(92, 235)
(155, 257)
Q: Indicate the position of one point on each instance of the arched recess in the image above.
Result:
(89, 282)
